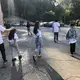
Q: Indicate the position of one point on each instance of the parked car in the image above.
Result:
(61, 24)
(44, 24)
(15, 24)
(50, 24)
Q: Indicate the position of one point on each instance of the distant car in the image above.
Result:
(44, 24)
(61, 24)
(15, 24)
(24, 24)
(32, 23)
(50, 24)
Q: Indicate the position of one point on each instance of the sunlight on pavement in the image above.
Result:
(23, 39)
(21, 30)
(59, 57)
(48, 36)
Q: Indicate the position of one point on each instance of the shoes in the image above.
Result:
(55, 41)
(20, 57)
(14, 59)
(72, 55)
(5, 62)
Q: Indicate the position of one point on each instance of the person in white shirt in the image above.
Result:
(2, 48)
(71, 37)
(56, 26)
(12, 38)
(38, 36)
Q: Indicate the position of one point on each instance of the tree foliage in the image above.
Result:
(44, 10)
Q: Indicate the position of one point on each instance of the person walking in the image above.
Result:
(56, 27)
(38, 36)
(2, 48)
(28, 28)
(71, 37)
(12, 37)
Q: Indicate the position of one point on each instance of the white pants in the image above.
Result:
(12, 46)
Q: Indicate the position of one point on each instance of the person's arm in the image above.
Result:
(3, 30)
(75, 34)
(67, 35)
(5, 33)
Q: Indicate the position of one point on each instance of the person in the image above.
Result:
(12, 38)
(38, 36)
(28, 28)
(56, 26)
(2, 48)
(71, 37)
(7, 25)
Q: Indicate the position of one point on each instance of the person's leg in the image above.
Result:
(28, 30)
(72, 48)
(54, 37)
(57, 36)
(36, 42)
(18, 51)
(2, 49)
(12, 53)
(39, 49)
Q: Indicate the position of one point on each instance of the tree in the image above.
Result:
(75, 9)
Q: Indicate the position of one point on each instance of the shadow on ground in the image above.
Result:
(17, 74)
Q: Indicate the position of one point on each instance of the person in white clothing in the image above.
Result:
(2, 48)
(56, 26)
(38, 37)
(71, 37)
(12, 37)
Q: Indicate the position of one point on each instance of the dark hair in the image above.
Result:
(36, 27)
(56, 20)
(37, 24)
(11, 34)
(72, 24)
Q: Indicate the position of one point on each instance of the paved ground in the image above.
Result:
(55, 60)
(60, 59)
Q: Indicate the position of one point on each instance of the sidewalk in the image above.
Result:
(59, 58)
